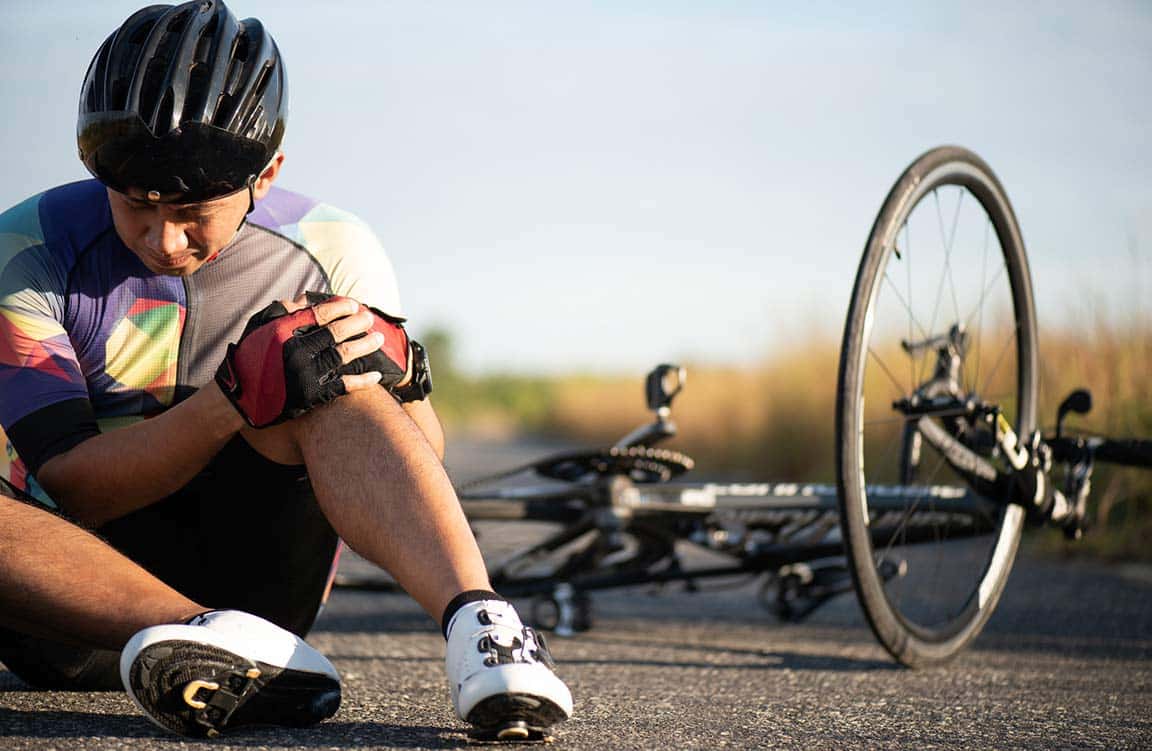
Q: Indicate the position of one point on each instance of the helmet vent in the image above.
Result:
(150, 91)
(255, 123)
(240, 51)
(177, 24)
(223, 112)
(204, 43)
(90, 98)
(164, 112)
(235, 74)
(154, 85)
(199, 78)
(140, 35)
(117, 91)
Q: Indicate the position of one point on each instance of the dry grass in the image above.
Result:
(1115, 363)
(775, 421)
(772, 421)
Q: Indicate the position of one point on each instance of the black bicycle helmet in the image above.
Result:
(184, 103)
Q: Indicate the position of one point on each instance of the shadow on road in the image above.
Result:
(772, 661)
(763, 659)
(73, 724)
(386, 619)
(68, 724)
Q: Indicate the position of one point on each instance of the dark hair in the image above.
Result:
(183, 101)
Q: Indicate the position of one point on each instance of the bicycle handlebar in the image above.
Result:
(1133, 452)
(1130, 452)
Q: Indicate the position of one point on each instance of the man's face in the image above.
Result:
(176, 239)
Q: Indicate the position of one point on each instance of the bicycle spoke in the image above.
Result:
(912, 321)
(886, 459)
(884, 367)
(980, 303)
(946, 271)
(884, 421)
(911, 315)
(948, 252)
(908, 513)
(978, 310)
(912, 374)
(978, 313)
(999, 360)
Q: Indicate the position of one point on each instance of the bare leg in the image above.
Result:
(386, 493)
(382, 487)
(60, 582)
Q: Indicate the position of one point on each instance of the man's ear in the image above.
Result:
(268, 176)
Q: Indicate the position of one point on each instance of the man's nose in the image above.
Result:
(167, 237)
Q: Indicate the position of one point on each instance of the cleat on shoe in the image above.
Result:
(501, 675)
(226, 669)
(515, 732)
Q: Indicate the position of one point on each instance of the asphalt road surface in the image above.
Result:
(1066, 662)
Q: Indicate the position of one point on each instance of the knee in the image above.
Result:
(282, 443)
(279, 443)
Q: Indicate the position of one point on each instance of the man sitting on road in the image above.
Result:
(218, 445)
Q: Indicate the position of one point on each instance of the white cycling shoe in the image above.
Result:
(501, 675)
(225, 669)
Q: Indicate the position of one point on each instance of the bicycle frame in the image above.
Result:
(617, 532)
(623, 521)
(786, 530)
(620, 504)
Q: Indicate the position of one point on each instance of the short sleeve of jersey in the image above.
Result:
(346, 248)
(353, 258)
(38, 367)
(44, 406)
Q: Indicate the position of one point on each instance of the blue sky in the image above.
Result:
(606, 185)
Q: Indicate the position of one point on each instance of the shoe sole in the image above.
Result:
(202, 690)
(514, 717)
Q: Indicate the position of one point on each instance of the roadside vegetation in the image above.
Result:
(775, 420)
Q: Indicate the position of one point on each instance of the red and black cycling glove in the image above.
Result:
(286, 363)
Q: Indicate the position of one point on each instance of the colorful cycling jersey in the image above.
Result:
(90, 339)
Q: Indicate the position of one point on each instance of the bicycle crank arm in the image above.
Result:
(1029, 485)
(977, 470)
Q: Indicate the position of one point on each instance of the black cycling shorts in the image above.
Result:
(245, 534)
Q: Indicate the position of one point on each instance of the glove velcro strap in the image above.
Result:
(253, 375)
(395, 346)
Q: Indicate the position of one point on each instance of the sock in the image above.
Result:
(199, 615)
(462, 599)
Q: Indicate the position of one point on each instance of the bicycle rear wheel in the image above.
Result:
(941, 313)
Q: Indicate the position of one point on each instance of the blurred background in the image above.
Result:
(572, 193)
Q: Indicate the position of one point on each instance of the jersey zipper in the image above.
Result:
(182, 348)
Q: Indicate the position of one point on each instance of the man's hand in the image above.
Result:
(295, 355)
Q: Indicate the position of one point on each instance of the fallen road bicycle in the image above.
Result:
(940, 462)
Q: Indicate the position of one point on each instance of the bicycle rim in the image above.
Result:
(944, 262)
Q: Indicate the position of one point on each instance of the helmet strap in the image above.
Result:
(251, 195)
(251, 201)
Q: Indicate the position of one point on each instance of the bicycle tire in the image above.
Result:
(912, 638)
